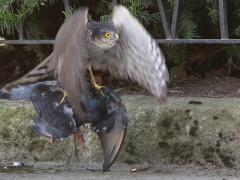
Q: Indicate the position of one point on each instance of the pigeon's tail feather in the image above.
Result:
(18, 93)
(25, 92)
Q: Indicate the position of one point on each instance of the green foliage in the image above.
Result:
(29, 11)
(10, 15)
(178, 54)
(69, 12)
(36, 30)
(147, 12)
(200, 19)
(234, 52)
(142, 3)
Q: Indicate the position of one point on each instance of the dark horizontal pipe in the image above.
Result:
(26, 41)
(160, 41)
(198, 41)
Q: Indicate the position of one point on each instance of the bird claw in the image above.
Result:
(64, 95)
(92, 80)
(98, 87)
(56, 104)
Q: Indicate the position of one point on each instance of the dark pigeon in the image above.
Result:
(106, 113)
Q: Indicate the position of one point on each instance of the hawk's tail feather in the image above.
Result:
(40, 72)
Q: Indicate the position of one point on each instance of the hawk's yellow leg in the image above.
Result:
(92, 80)
(64, 95)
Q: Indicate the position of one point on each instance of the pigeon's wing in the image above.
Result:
(106, 125)
(112, 142)
(40, 72)
(69, 57)
(136, 55)
(24, 92)
(54, 119)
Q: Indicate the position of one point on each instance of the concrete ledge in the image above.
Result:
(206, 131)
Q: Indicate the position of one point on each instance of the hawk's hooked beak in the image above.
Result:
(116, 36)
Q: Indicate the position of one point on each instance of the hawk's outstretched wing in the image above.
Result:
(67, 62)
(69, 57)
(136, 55)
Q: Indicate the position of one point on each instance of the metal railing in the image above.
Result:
(171, 30)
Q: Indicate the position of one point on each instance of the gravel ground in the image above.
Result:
(213, 87)
(62, 171)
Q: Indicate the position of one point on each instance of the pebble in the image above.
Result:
(18, 164)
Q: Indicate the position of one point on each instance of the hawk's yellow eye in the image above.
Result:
(107, 35)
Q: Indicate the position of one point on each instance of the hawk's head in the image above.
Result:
(104, 34)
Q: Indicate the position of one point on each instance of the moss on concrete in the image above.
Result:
(179, 132)
(176, 132)
(19, 142)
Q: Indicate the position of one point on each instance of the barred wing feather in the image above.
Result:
(136, 55)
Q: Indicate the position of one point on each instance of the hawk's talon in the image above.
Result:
(97, 86)
(92, 80)
(64, 95)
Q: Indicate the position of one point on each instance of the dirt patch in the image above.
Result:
(54, 170)
(213, 87)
